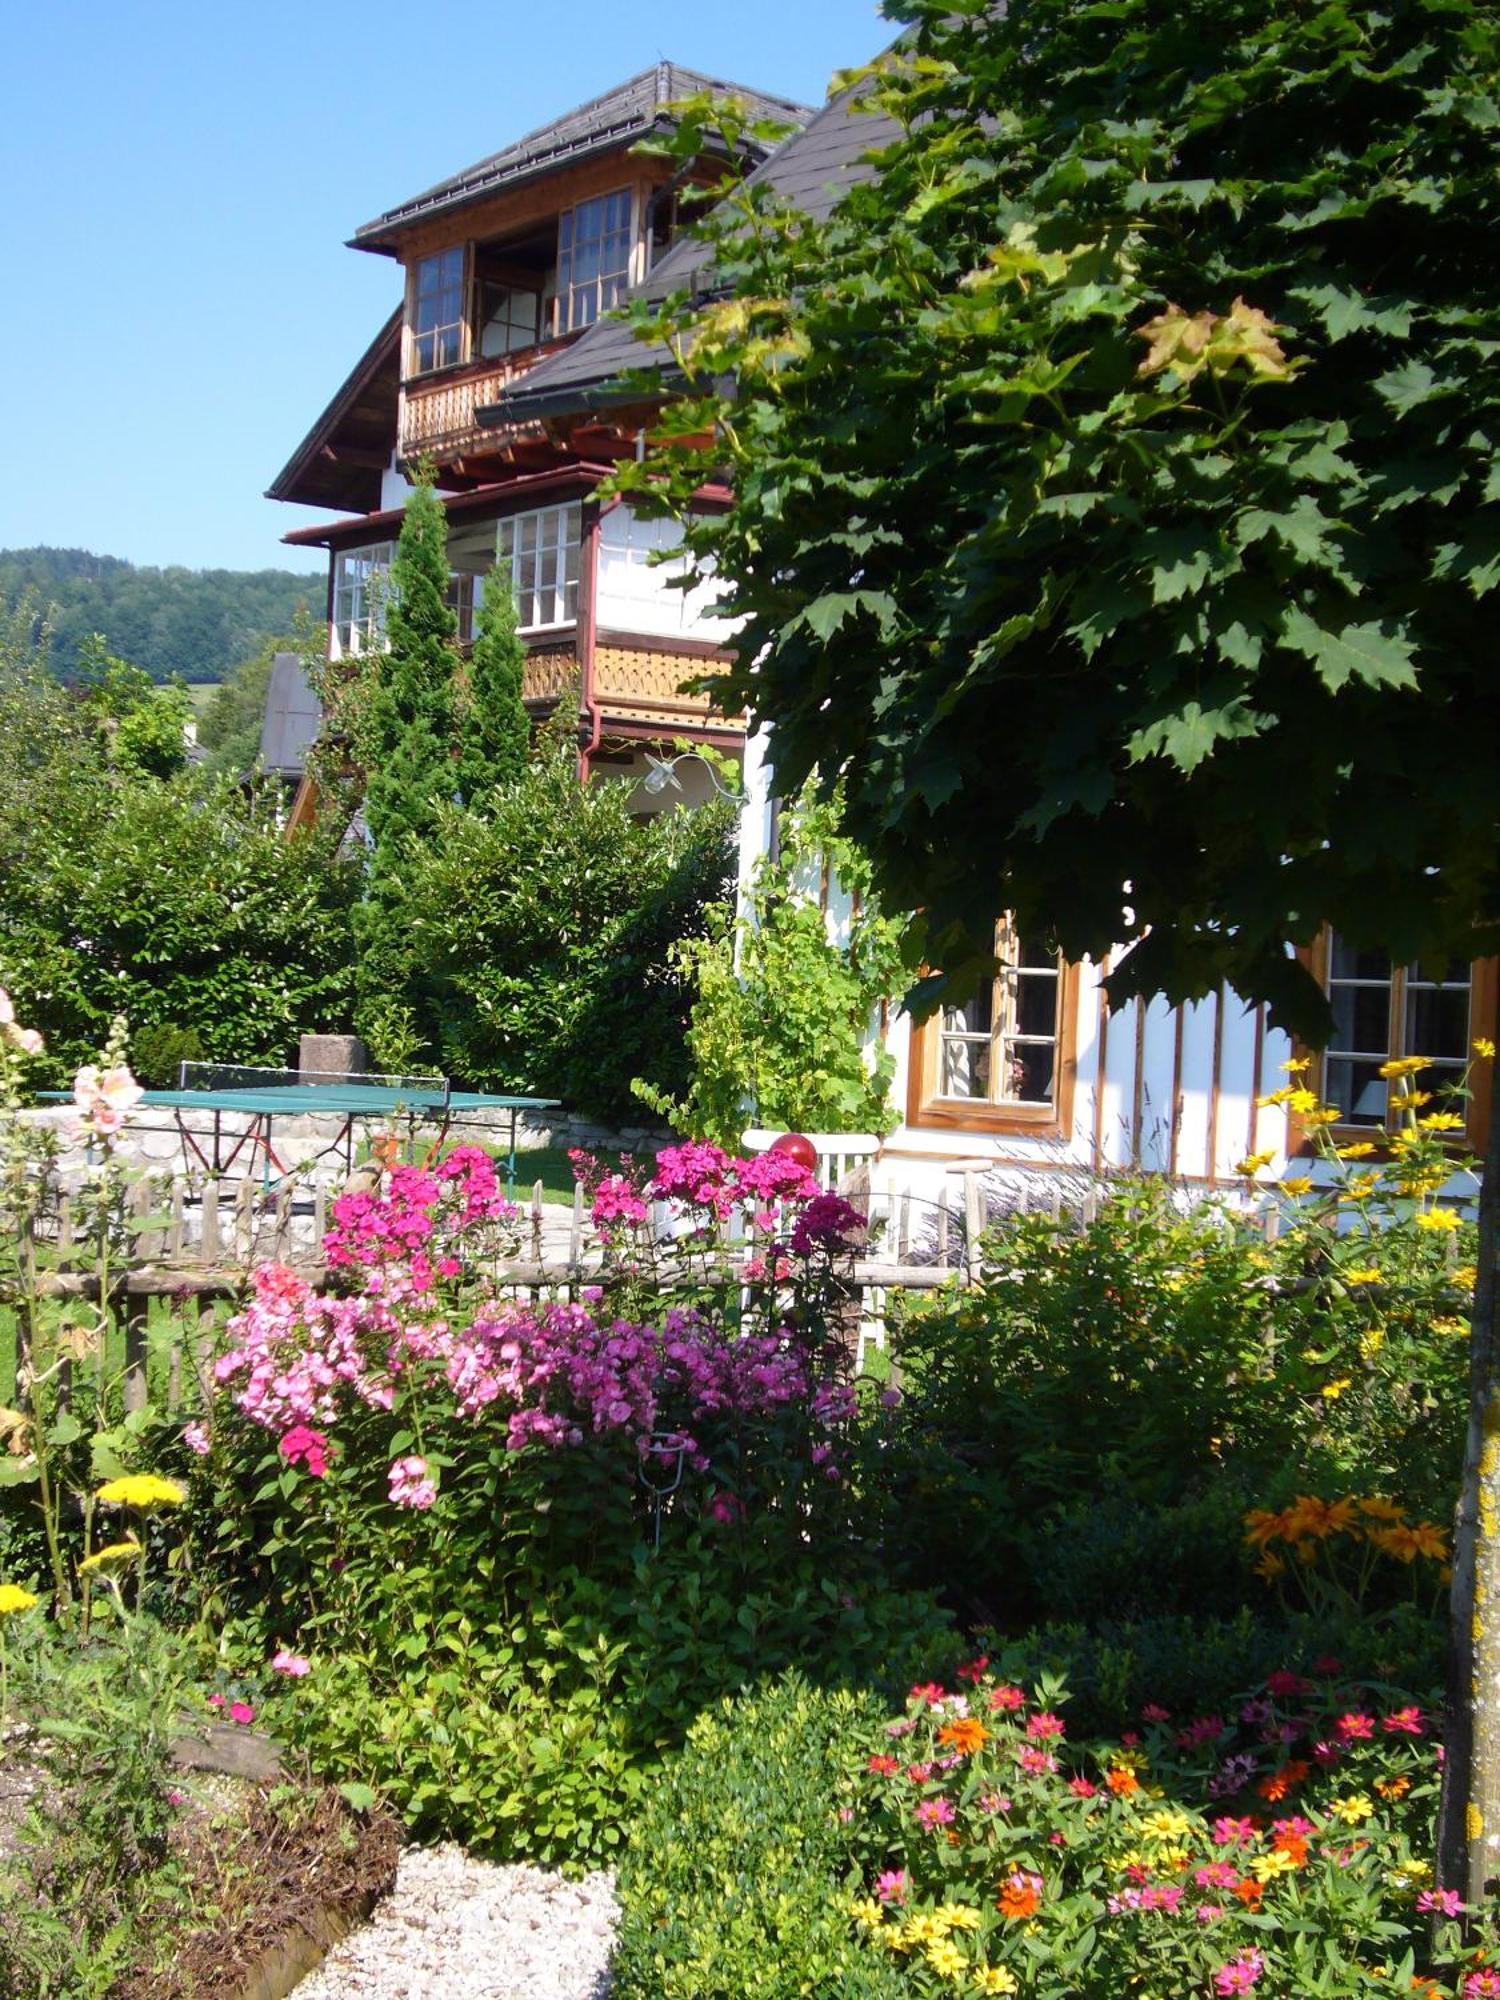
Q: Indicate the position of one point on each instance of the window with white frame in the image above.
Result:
(1001, 1048)
(540, 551)
(360, 591)
(593, 257)
(437, 312)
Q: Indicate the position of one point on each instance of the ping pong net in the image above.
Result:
(329, 1085)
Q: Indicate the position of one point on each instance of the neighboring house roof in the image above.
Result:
(812, 170)
(340, 461)
(292, 718)
(617, 118)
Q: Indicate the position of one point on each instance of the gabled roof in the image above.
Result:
(812, 170)
(617, 118)
(339, 462)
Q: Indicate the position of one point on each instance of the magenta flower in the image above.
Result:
(935, 1812)
(1044, 1724)
(1405, 1722)
(241, 1712)
(195, 1437)
(1240, 1974)
(306, 1447)
(290, 1663)
(1354, 1727)
(890, 1887)
(1447, 1902)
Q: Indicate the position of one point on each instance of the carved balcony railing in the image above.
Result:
(438, 416)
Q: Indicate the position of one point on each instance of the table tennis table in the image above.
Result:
(261, 1098)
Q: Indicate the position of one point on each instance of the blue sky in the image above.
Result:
(179, 183)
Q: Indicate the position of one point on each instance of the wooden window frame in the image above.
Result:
(409, 369)
(566, 287)
(1484, 997)
(927, 1111)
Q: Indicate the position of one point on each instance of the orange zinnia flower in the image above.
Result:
(1249, 1893)
(1393, 1788)
(1281, 1782)
(966, 1735)
(1021, 1895)
(1122, 1782)
(1292, 1844)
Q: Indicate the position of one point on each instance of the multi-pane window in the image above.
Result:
(437, 312)
(360, 589)
(540, 550)
(462, 598)
(1001, 1047)
(593, 258)
(1382, 1010)
(509, 319)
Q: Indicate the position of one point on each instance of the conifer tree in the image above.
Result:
(410, 760)
(493, 726)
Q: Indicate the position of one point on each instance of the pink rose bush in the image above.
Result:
(1114, 1867)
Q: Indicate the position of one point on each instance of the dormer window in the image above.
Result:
(594, 242)
(437, 313)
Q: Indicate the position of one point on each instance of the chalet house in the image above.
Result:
(505, 268)
(502, 366)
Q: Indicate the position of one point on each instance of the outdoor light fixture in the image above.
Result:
(663, 776)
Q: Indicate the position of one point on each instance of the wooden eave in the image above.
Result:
(340, 461)
(529, 489)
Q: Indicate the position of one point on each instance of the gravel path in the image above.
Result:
(455, 1928)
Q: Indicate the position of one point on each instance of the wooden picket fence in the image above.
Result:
(194, 1251)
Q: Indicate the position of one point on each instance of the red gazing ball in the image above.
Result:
(797, 1146)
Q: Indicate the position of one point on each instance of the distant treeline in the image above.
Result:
(198, 623)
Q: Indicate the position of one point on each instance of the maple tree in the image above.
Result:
(1117, 521)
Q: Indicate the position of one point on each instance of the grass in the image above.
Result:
(551, 1166)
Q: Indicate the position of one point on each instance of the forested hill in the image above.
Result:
(195, 622)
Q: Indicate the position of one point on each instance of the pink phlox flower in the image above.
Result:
(411, 1485)
(306, 1447)
(829, 1223)
(293, 1664)
(195, 1437)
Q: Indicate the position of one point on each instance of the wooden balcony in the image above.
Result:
(437, 412)
(636, 680)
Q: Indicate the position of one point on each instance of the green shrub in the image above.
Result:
(535, 937)
(1077, 1432)
(731, 1886)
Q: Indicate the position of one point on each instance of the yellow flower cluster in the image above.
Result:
(143, 1490)
(110, 1554)
(923, 1930)
(14, 1598)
